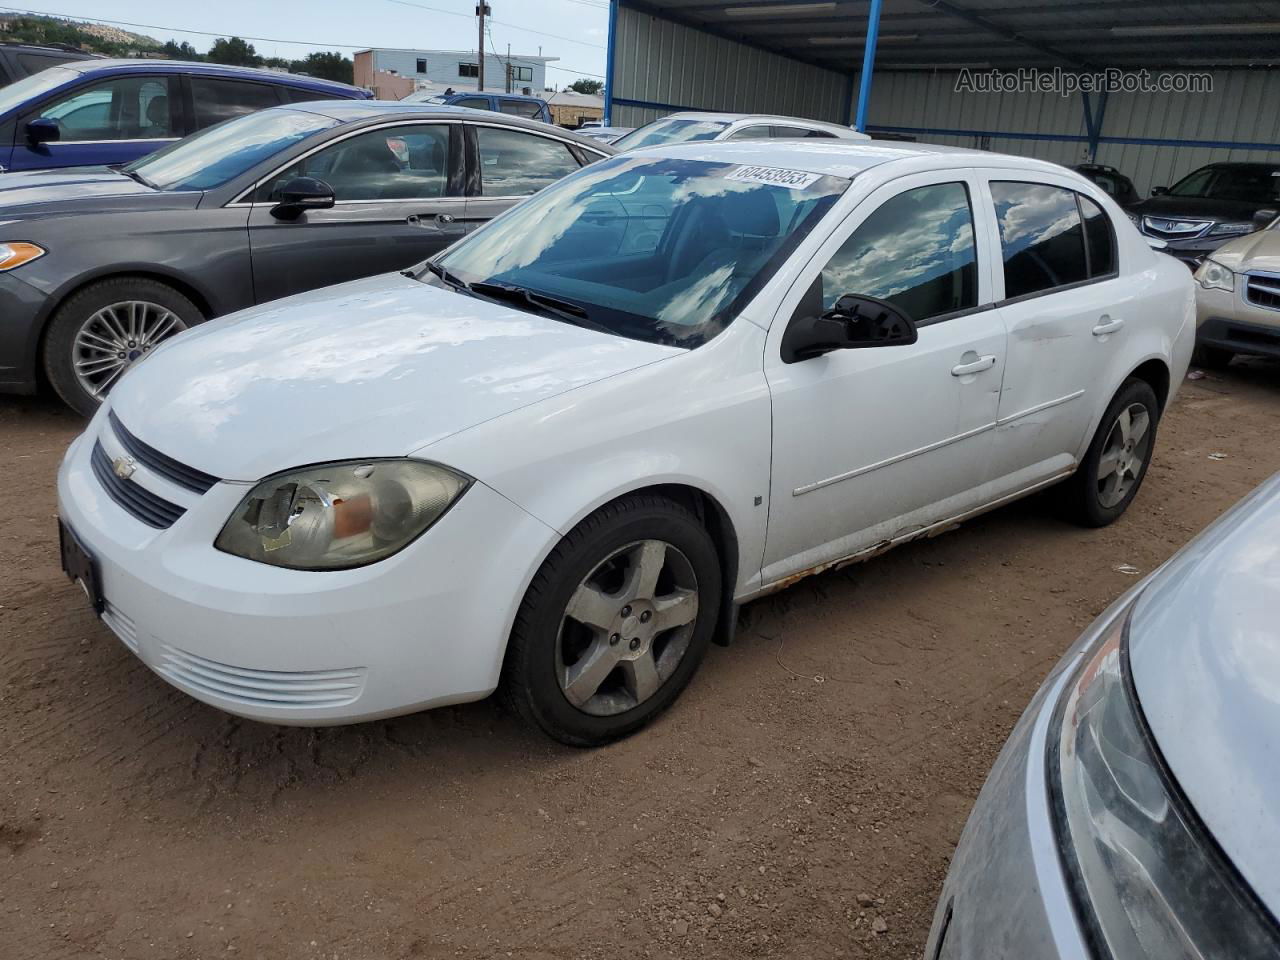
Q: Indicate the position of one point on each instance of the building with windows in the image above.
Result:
(459, 69)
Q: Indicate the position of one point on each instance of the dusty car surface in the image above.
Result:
(558, 456)
(690, 127)
(1238, 299)
(1132, 811)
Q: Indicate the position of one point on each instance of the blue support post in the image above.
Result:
(868, 65)
(608, 64)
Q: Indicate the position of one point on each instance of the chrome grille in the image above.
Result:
(272, 688)
(137, 500)
(1263, 290)
(187, 477)
(1175, 228)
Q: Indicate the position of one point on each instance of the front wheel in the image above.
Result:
(615, 622)
(107, 328)
(1116, 462)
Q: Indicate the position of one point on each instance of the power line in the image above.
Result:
(514, 26)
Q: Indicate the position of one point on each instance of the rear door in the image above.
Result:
(111, 120)
(507, 164)
(399, 200)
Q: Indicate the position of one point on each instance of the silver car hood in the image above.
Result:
(1205, 653)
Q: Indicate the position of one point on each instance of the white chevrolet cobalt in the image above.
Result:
(555, 458)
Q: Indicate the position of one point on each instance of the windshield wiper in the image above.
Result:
(135, 176)
(564, 310)
(443, 273)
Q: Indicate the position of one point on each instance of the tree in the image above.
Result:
(589, 87)
(235, 52)
(180, 51)
(326, 66)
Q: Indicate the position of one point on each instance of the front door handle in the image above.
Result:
(440, 219)
(1107, 325)
(973, 366)
(444, 218)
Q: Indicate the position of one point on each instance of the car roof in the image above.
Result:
(768, 117)
(491, 93)
(839, 158)
(205, 69)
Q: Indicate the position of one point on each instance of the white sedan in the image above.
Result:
(558, 456)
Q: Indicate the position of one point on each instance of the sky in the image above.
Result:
(573, 30)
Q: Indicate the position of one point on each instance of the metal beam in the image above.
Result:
(612, 43)
(868, 65)
(946, 6)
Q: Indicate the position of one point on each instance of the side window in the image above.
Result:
(476, 103)
(123, 108)
(1101, 238)
(520, 108)
(302, 95)
(801, 132)
(218, 100)
(758, 132)
(1041, 235)
(916, 251)
(398, 163)
(516, 164)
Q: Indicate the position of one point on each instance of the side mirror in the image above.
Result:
(1159, 191)
(301, 194)
(1263, 218)
(43, 130)
(855, 322)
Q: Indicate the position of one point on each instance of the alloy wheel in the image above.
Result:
(116, 337)
(1123, 455)
(626, 628)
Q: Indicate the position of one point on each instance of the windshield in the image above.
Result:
(671, 131)
(651, 248)
(28, 88)
(215, 156)
(1253, 184)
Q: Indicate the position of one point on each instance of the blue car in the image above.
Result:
(515, 104)
(95, 112)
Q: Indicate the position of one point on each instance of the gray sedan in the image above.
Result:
(97, 267)
(1133, 812)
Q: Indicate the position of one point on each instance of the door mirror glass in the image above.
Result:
(1264, 218)
(302, 194)
(855, 322)
(43, 130)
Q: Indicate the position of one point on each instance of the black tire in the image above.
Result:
(1082, 497)
(531, 687)
(59, 343)
(1211, 358)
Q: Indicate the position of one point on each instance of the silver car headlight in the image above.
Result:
(1214, 276)
(1147, 878)
(340, 515)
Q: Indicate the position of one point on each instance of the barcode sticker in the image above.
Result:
(774, 176)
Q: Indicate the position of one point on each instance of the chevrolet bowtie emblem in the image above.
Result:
(124, 467)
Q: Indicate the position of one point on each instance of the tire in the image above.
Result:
(1211, 358)
(102, 311)
(1093, 500)
(581, 681)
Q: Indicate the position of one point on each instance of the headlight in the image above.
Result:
(1230, 229)
(1214, 276)
(16, 254)
(1147, 879)
(340, 515)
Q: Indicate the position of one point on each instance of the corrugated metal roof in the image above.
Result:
(995, 33)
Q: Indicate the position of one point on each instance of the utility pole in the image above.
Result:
(508, 68)
(482, 11)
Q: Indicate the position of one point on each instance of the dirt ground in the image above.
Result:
(831, 755)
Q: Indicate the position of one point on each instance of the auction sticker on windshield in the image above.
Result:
(774, 176)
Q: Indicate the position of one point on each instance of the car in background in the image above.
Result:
(96, 111)
(514, 104)
(1133, 811)
(98, 266)
(18, 60)
(1205, 209)
(1238, 298)
(557, 455)
(689, 127)
(1119, 187)
(604, 134)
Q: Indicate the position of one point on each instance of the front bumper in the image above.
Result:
(1193, 251)
(425, 627)
(20, 311)
(1226, 320)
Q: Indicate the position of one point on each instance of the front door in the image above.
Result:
(873, 444)
(109, 121)
(398, 191)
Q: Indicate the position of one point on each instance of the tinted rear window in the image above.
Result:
(1100, 236)
(217, 100)
(1041, 236)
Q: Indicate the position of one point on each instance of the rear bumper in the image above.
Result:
(20, 307)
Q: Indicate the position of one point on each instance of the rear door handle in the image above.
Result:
(1107, 325)
(973, 366)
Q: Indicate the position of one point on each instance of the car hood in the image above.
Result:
(1257, 251)
(82, 190)
(374, 368)
(1197, 208)
(1204, 645)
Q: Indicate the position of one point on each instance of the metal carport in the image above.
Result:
(805, 57)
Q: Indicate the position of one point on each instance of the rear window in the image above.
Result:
(302, 95)
(1041, 236)
(520, 108)
(216, 100)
